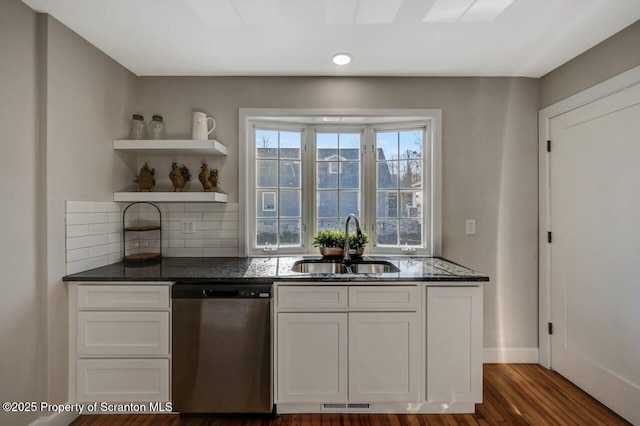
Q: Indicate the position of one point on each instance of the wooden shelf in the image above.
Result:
(142, 228)
(141, 257)
(170, 147)
(171, 197)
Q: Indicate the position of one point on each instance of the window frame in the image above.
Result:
(305, 119)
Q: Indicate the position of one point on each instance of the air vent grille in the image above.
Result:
(343, 406)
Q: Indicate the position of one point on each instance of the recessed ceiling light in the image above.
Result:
(341, 58)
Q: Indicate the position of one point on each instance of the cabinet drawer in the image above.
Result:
(312, 297)
(384, 297)
(122, 297)
(123, 333)
(122, 380)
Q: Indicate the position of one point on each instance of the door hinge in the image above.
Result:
(549, 237)
(549, 146)
(550, 328)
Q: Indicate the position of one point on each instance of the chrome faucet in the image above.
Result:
(346, 256)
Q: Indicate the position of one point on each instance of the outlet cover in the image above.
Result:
(187, 227)
(470, 227)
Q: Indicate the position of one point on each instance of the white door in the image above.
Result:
(595, 249)
(312, 357)
(384, 356)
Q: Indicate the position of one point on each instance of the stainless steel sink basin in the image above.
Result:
(315, 267)
(373, 267)
(358, 267)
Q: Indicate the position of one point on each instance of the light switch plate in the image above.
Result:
(470, 227)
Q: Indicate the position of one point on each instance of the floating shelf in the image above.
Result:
(171, 197)
(170, 147)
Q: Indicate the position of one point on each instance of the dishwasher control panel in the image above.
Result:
(220, 291)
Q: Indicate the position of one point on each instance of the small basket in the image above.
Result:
(338, 251)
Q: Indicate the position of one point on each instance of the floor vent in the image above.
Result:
(342, 406)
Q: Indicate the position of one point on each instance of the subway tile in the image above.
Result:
(193, 243)
(220, 216)
(86, 264)
(228, 224)
(232, 233)
(104, 249)
(172, 225)
(230, 207)
(177, 235)
(85, 218)
(129, 207)
(184, 252)
(77, 254)
(115, 237)
(77, 207)
(149, 217)
(201, 207)
(212, 233)
(207, 225)
(114, 217)
(211, 242)
(185, 216)
(173, 207)
(103, 207)
(229, 242)
(88, 241)
(115, 258)
(176, 243)
(220, 252)
(77, 230)
(131, 245)
(104, 228)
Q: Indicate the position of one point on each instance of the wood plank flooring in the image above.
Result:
(514, 394)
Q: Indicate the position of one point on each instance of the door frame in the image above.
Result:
(601, 90)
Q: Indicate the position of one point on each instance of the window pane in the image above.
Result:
(290, 145)
(267, 173)
(350, 175)
(349, 203)
(328, 204)
(267, 231)
(387, 174)
(410, 204)
(267, 204)
(411, 232)
(328, 224)
(327, 175)
(290, 204)
(290, 232)
(387, 145)
(289, 174)
(411, 144)
(326, 146)
(387, 204)
(266, 144)
(411, 174)
(387, 232)
(350, 146)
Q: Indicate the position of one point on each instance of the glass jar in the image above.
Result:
(138, 128)
(156, 127)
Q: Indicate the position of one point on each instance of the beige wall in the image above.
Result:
(489, 163)
(20, 349)
(88, 99)
(617, 54)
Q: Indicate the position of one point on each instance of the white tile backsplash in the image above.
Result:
(94, 231)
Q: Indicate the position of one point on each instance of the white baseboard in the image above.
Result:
(56, 419)
(510, 355)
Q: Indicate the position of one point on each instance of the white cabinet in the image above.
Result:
(346, 347)
(119, 342)
(454, 344)
(312, 357)
(384, 356)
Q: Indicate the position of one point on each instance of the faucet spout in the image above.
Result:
(346, 255)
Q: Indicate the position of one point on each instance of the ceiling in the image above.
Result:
(385, 37)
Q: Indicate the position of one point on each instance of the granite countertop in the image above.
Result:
(269, 269)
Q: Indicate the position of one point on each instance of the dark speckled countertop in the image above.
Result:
(269, 269)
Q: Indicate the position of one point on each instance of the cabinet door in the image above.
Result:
(312, 357)
(454, 344)
(384, 357)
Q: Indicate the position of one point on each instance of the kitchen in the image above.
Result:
(68, 101)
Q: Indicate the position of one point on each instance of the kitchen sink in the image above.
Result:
(339, 267)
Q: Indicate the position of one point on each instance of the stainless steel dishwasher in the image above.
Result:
(221, 348)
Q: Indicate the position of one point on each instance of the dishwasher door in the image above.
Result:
(221, 350)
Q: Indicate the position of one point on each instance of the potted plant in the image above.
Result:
(331, 242)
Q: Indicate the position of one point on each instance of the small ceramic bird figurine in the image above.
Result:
(208, 178)
(179, 176)
(145, 178)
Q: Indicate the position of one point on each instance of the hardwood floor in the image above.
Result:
(514, 394)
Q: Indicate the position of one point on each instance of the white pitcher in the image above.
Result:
(201, 126)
